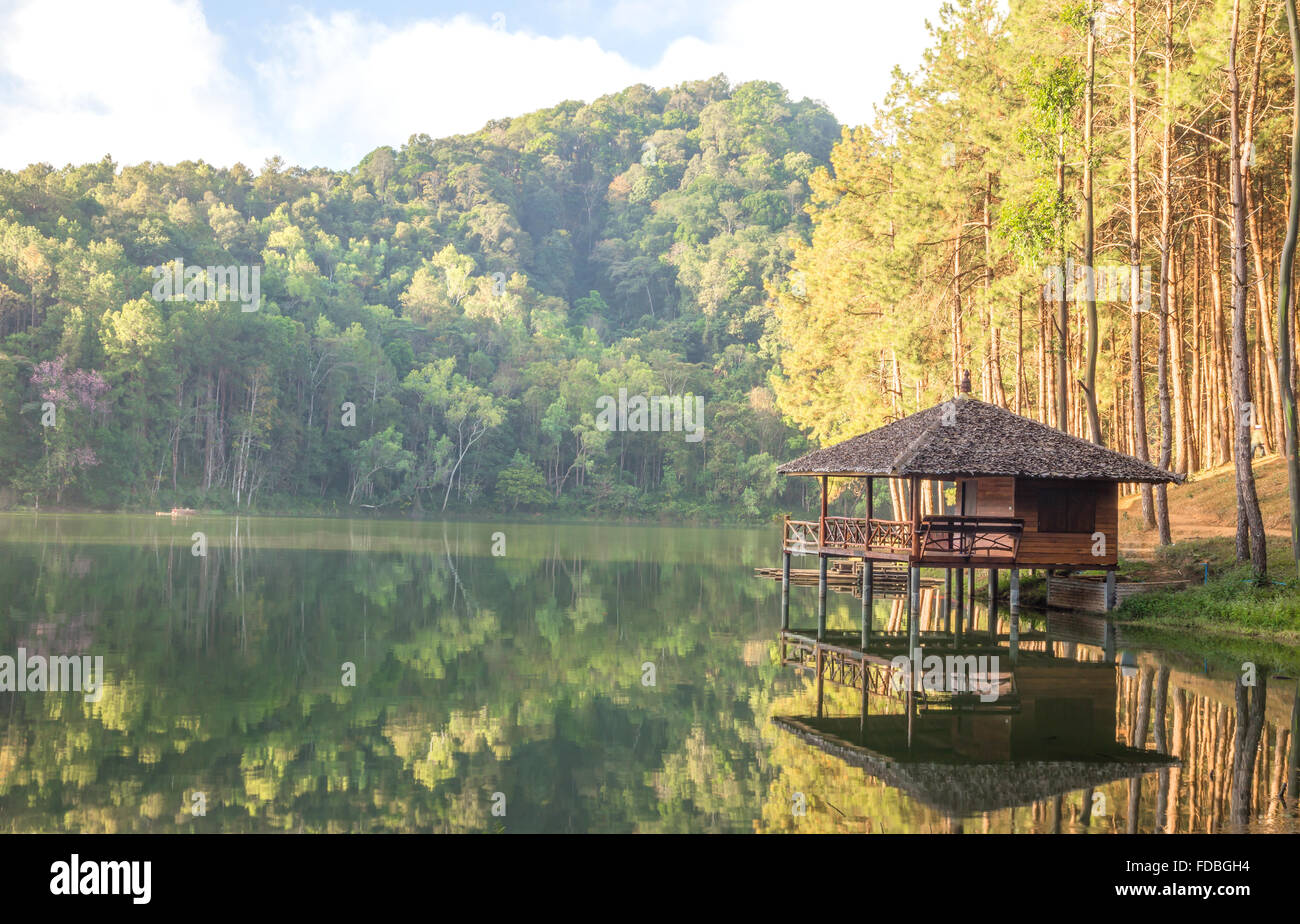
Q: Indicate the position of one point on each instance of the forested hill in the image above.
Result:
(435, 326)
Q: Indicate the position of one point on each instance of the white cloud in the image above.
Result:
(346, 84)
(142, 81)
(343, 85)
(151, 82)
(644, 15)
(836, 52)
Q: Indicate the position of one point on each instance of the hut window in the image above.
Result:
(1066, 508)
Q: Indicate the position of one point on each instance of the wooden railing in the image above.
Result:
(801, 533)
(971, 538)
(943, 538)
(849, 533)
(840, 665)
(889, 534)
(845, 532)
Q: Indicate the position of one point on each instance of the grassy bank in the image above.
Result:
(1223, 599)
(1229, 602)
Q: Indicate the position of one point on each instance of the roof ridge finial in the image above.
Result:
(965, 381)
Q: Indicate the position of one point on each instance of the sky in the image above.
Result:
(322, 83)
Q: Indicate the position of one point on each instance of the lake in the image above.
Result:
(329, 675)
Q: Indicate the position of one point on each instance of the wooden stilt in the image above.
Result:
(1015, 612)
(868, 581)
(911, 713)
(958, 610)
(971, 625)
(862, 722)
(914, 587)
(821, 597)
(947, 599)
(913, 608)
(993, 602)
(959, 604)
(820, 659)
(785, 592)
(1110, 590)
(821, 522)
(868, 600)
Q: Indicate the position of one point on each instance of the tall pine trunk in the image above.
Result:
(1162, 355)
(1062, 307)
(1250, 523)
(1177, 358)
(1270, 415)
(1090, 371)
(1141, 448)
(1284, 294)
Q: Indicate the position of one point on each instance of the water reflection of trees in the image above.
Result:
(1232, 740)
(520, 675)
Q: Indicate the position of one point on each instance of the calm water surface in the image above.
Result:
(591, 678)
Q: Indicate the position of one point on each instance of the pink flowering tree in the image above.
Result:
(70, 399)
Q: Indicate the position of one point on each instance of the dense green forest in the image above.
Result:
(435, 325)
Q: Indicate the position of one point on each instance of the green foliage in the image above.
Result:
(522, 482)
(1054, 90)
(381, 455)
(1032, 224)
(427, 317)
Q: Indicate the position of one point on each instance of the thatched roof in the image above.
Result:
(966, 438)
(958, 787)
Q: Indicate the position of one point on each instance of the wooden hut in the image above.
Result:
(980, 487)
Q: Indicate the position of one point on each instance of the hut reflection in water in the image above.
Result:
(1086, 733)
